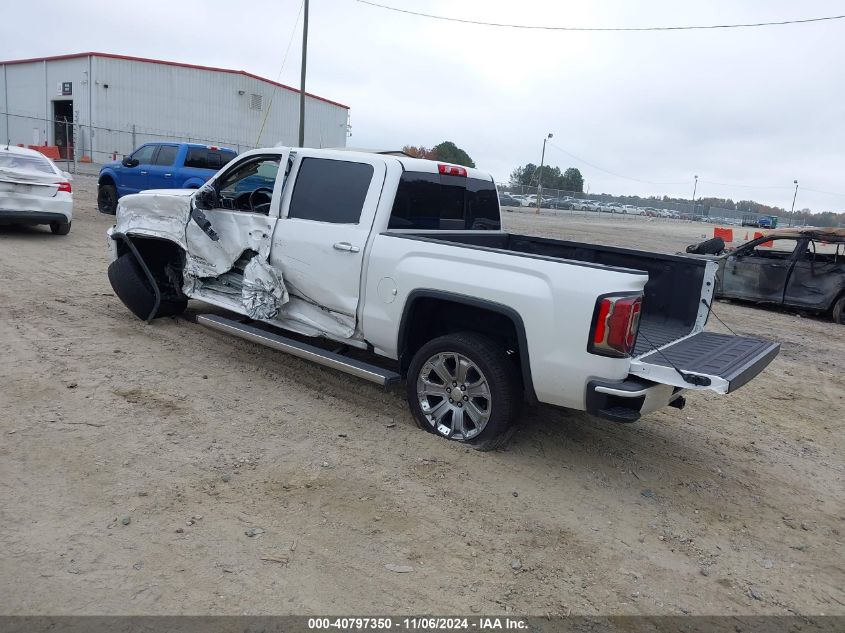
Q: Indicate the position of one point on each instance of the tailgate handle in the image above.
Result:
(695, 379)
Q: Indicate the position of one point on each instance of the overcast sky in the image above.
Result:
(752, 109)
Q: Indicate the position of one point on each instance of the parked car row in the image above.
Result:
(507, 199)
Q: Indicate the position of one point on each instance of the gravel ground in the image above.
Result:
(136, 459)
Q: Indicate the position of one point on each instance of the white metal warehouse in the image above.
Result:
(92, 106)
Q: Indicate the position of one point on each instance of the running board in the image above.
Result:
(373, 373)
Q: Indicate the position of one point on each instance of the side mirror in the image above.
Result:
(128, 161)
(205, 198)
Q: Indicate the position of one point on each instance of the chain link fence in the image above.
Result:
(72, 142)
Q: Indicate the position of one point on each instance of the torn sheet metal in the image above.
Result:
(263, 293)
(237, 231)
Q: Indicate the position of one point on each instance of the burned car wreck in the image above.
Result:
(802, 268)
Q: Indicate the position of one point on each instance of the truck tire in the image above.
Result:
(838, 312)
(107, 199)
(131, 286)
(463, 387)
(60, 228)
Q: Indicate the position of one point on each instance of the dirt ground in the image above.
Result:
(116, 436)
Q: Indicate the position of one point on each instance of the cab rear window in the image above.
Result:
(427, 201)
(204, 158)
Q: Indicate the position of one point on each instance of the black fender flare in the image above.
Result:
(512, 315)
(153, 283)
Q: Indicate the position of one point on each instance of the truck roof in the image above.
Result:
(408, 162)
(203, 145)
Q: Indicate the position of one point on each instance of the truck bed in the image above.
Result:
(673, 292)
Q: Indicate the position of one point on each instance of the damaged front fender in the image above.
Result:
(157, 213)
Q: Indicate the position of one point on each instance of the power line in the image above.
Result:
(828, 193)
(607, 171)
(608, 28)
(736, 184)
(279, 76)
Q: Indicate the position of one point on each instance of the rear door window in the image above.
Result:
(330, 191)
(166, 155)
(426, 201)
(205, 158)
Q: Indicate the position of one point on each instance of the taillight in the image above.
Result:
(451, 170)
(615, 327)
(65, 186)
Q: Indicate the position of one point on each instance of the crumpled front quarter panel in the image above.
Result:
(155, 215)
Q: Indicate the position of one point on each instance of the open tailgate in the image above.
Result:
(707, 360)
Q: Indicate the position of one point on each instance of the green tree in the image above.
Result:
(448, 152)
(523, 175)
(572, 180)
(419, 152)
(529, 176)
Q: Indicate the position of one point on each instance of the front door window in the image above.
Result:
(249, 187)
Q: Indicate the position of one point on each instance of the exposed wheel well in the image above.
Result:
(105, 180)
(431, 314)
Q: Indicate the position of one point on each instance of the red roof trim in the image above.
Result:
(168, 63)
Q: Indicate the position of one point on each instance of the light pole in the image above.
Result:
(694, 189)
(302, 77)
(795, 195)
(540, 177)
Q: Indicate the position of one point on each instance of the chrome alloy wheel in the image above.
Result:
(454, 396)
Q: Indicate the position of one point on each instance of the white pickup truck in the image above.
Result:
(400, 266)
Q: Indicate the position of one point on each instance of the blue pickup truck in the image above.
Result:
(159, 166)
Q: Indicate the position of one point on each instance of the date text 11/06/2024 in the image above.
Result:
(418, 624)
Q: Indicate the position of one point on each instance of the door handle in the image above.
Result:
(167, 175)
(143, 173)
(345, 246)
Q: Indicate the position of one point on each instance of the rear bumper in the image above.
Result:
(32, 217)
(627, 400)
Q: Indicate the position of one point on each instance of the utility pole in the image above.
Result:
(694, 189)
(795, 195)
(302, 78)
(540, 176)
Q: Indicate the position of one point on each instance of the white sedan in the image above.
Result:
(33, 190)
